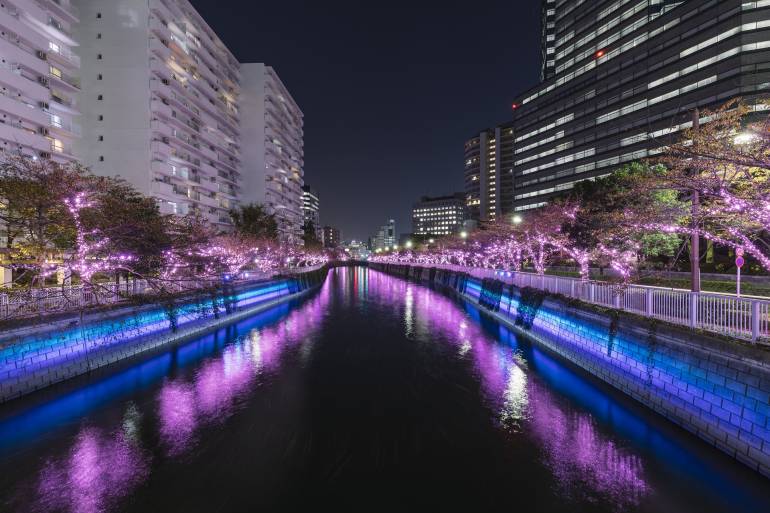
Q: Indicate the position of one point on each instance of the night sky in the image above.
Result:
(390, 90)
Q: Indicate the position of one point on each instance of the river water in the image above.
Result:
(372, 394)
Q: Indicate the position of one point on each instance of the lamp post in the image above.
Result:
(695, 237)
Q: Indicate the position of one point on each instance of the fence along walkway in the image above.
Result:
(744, 318)
(53, 300)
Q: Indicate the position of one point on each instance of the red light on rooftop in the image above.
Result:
(515, 106)
(600, 53)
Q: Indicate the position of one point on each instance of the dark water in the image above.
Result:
(373, 395)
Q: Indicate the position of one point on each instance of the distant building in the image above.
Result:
(357, 250)
(332, 237)
(311, 207)
(489, 159)
(386, 236)
(438, 216)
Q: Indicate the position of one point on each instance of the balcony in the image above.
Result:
(66, 126)
(21, 108)
(65, 9)
(69, 81)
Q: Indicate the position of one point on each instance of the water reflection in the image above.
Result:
(100, 468)
(577, 446)
(221, 385)
(585, 462)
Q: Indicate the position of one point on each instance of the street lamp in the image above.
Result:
(431, 241)
(517, 219)
(464, 234)
(408, 244)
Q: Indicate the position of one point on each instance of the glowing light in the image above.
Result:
(745, 138)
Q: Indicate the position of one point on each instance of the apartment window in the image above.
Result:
(101, 118)
(99, 35)
(101, 158)
(101, 97)
(99, 57)
(101, 138)
(98, 16)
(100, 77)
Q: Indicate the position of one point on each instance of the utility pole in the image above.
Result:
(695, 238)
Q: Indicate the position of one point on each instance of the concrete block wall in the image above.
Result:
(37, 357)
(716, 388)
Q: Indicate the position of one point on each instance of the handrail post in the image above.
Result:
(592, 292)
(694, 309)
(648, 298)
(755, 320)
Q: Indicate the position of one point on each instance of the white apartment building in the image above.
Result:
(38, 107)
(160, 104)
(273, 148)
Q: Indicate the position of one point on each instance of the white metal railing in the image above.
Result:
(16, 304)
(740, 317)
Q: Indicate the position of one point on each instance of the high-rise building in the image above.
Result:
(627, 77)
(438, 216)
(39, 75)
(548, 39)
(311, 206)
(332, 237)
(160, 104)
(489, 174)
(273, 156)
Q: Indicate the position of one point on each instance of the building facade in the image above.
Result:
(311, 210)
(273, 136)
(438, 216)
(39, 78)
(160, 104)
(386, 236)
(489, 173)
(332, 237)
(627, 77)
(548, 39)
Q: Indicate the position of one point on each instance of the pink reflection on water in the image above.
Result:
(176, 404)
(220, 386)
(585, 462)
(98, 470)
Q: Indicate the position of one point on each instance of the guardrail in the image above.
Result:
(16, 304)
(746, 318)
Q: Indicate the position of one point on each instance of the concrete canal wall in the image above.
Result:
(38, 356)
(716, 388)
